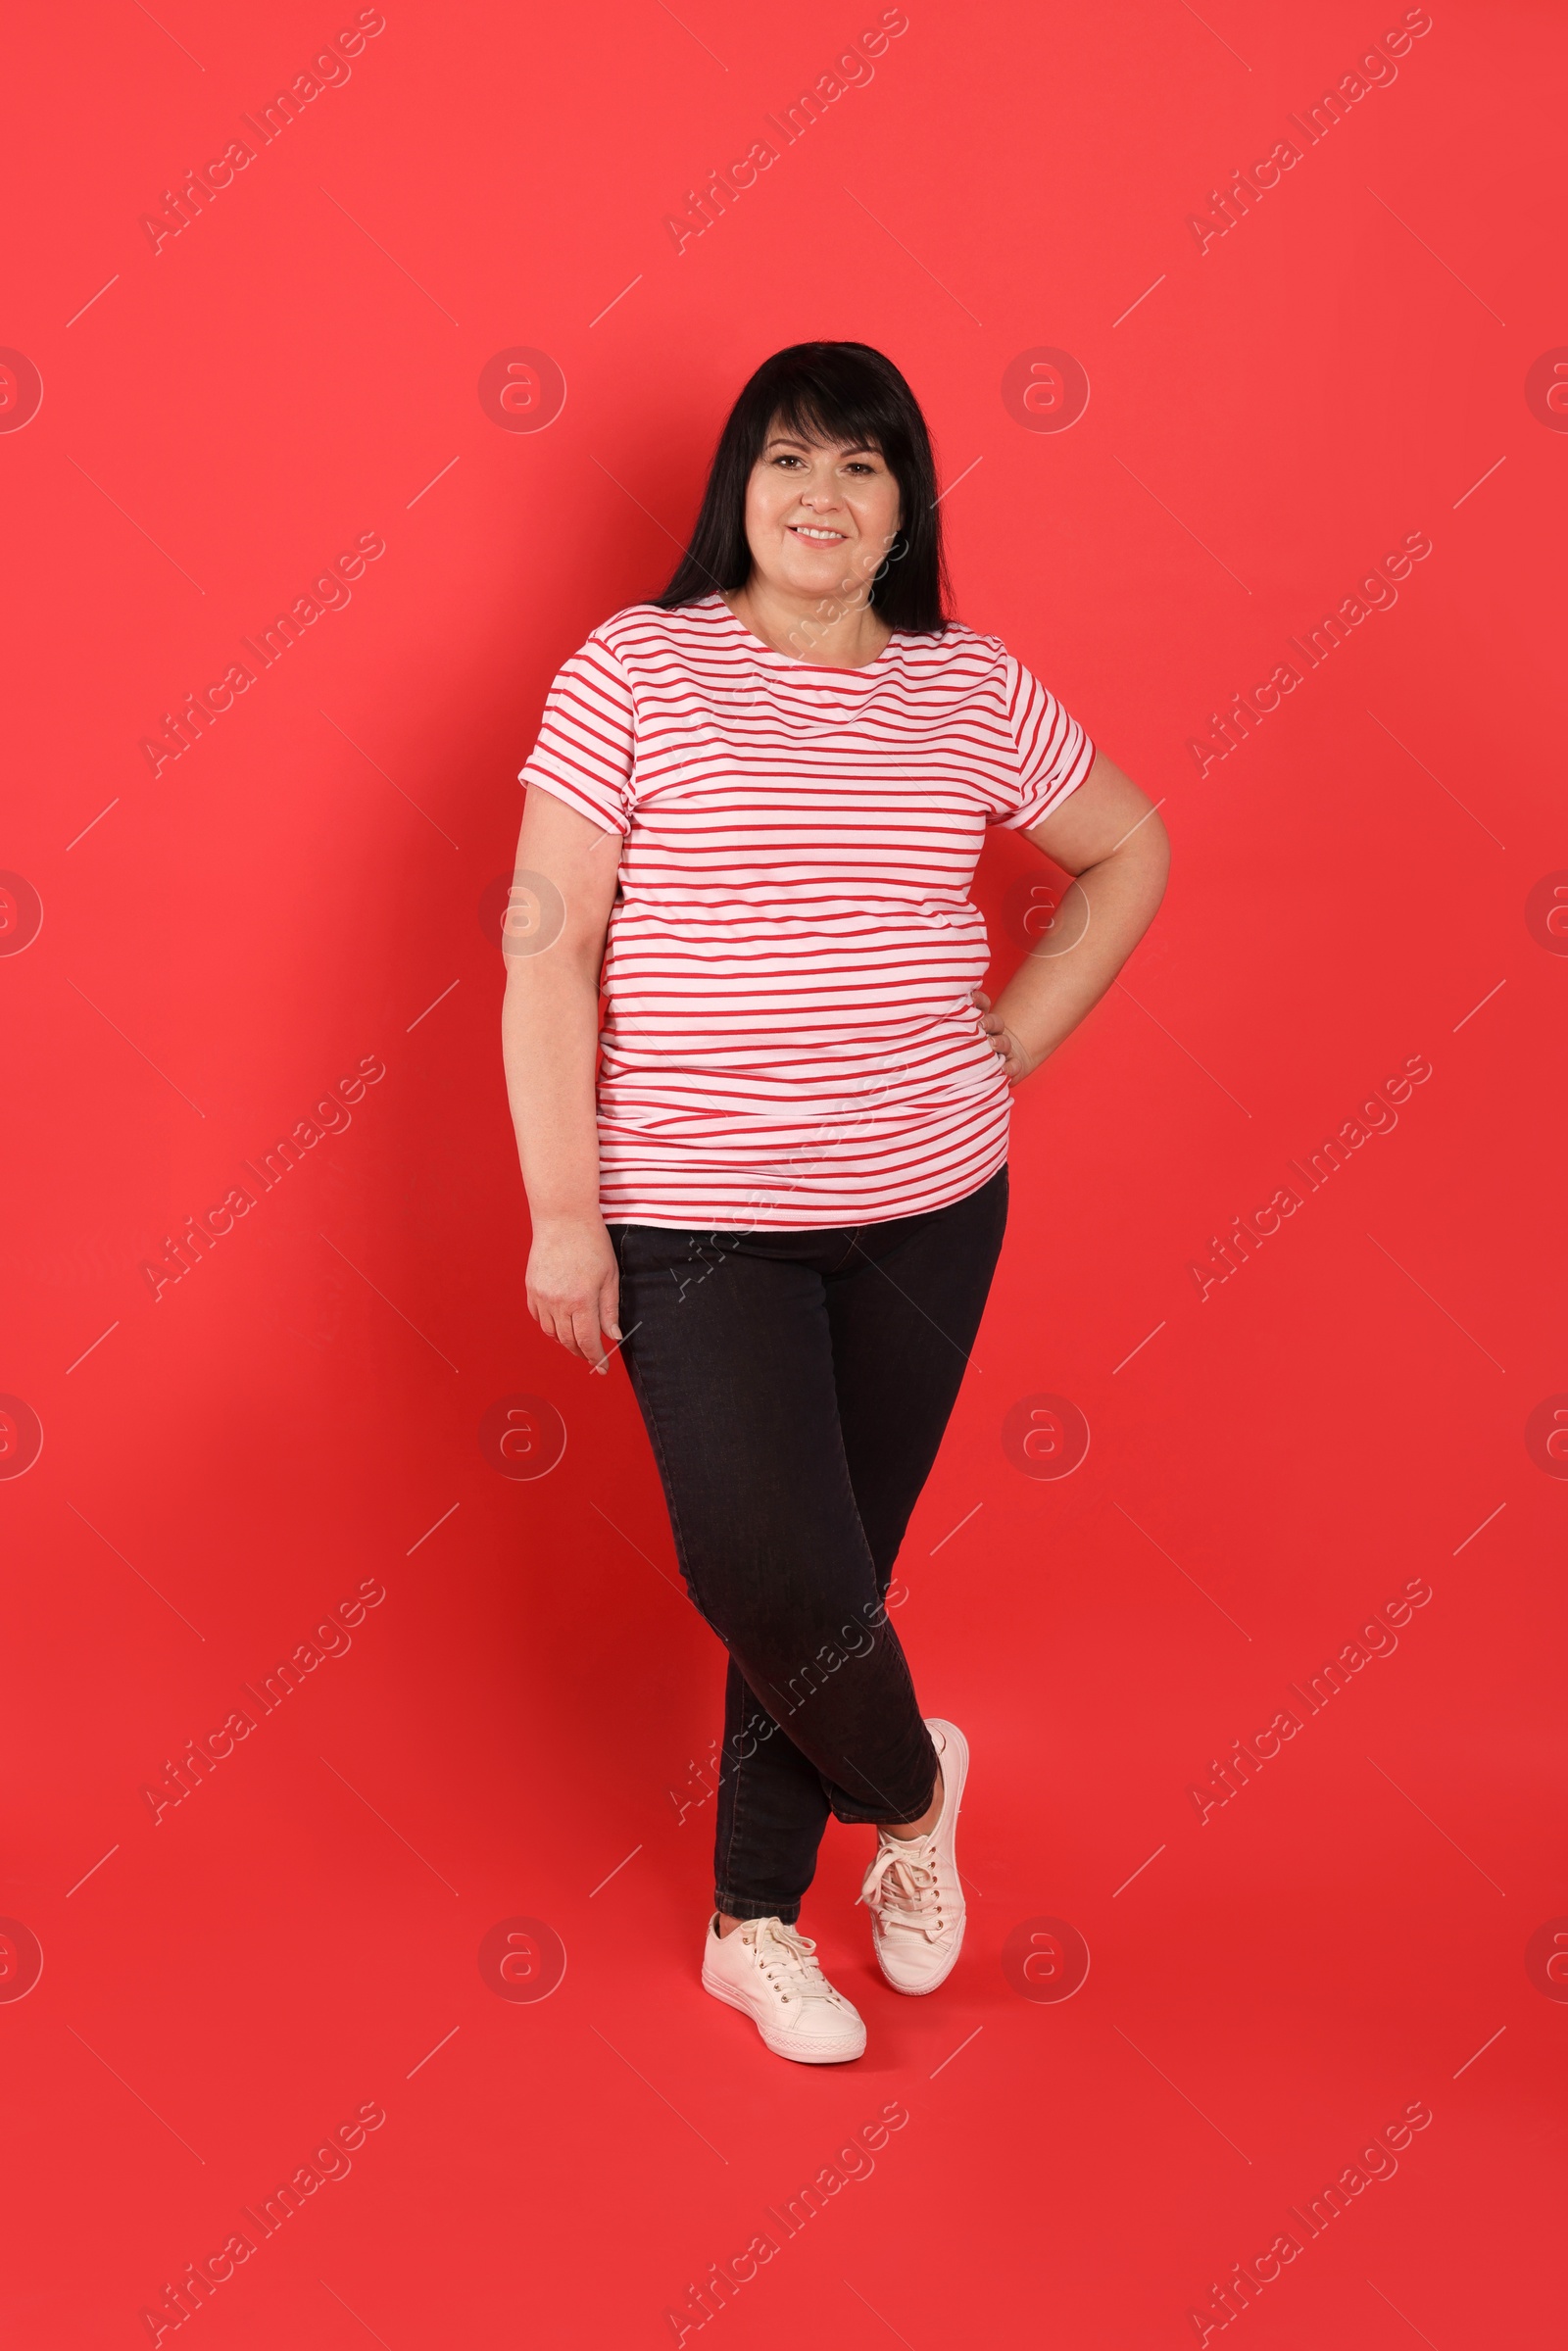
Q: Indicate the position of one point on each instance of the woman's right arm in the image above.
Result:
(550, 1040)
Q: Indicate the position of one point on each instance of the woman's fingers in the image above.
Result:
(569, 1327)
(586, 1338)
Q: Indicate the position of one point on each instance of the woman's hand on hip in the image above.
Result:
(1004, 1043)
(574, 1285)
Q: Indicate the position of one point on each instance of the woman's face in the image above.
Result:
(820, 516)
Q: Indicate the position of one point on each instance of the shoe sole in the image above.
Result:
(797, 2057)
(918, 1991)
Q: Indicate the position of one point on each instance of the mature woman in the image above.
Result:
(757, 803)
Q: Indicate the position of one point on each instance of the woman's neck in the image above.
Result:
(849, 634)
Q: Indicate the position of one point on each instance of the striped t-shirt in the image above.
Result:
(789, 1038)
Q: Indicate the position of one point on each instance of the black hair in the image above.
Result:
(826, 392)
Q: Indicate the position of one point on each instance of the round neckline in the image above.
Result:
(794, 660)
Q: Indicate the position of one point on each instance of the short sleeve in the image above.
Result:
(587, 739)
(1054, 753)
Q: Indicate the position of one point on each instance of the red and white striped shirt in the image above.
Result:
(789, 1038)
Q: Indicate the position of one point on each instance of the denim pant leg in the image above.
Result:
(904, 1309)
(731, 1357)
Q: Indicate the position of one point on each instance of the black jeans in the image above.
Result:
(795, 1387)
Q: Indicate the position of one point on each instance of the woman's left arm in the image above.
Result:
(1108, 837)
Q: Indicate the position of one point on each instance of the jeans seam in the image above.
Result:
(737, 1787)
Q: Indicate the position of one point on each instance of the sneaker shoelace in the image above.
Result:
(901, 1888)
(788, 1959)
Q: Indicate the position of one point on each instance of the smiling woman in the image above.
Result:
(783, 1196)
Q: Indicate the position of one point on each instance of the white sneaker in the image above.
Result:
(912, 1888)
(768, 1972)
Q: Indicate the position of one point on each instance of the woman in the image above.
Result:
(758, 802)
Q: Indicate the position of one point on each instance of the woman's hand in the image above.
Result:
(1014, 1060)
(574, 1285)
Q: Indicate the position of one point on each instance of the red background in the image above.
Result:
(1268, 416)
